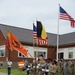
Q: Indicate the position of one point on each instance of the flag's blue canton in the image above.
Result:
(34, 28)
(62, 10)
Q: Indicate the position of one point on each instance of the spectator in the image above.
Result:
(9, 63)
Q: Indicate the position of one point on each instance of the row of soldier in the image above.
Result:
(50, 67)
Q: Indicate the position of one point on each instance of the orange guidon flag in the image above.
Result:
(14, 44)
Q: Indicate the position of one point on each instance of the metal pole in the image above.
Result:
(58, 32)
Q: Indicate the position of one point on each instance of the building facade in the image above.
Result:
(25, 36)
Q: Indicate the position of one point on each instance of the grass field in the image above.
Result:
(14, 71)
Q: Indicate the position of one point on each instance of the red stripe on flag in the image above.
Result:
(42, 42)
(34, 35)
(65, 17)
(73, 23)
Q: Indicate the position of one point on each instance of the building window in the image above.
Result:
(41, 51)
(21, 55)
(2, 51)
(60, 55)
(70, 54)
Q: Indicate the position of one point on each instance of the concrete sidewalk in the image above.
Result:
(3, 73)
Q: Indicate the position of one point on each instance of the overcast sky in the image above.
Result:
(22, 13)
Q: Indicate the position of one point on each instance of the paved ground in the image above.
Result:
(3, 73)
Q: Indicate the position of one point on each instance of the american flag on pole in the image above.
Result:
(65, 16)
(34, 32)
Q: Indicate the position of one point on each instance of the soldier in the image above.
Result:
(47, 66)
(59, 67)
(70, 68)
(42, 65)
(74, 66)
(53, 69)
(65, 67)
(34, 70)
(25, 64)
(28, 67)
(62, 67)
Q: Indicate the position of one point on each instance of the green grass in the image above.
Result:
(14, 71)
(3, 70)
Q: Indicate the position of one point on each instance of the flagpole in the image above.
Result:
(58, 33)
(31, 55)
(37, 43)
(33, 41)
(9, 55)
(7, 34)
(33, 45)
(37, 49)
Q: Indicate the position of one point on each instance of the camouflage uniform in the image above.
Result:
(47, 68)
(74, 67)
(65, 68)
(34, 70)
(28, 68)
(59, 67)
(70, 68)
(41, 67)
(62, 67)
(53, 70)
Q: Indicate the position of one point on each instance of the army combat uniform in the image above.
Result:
(41, 67)
(59, 67)
(47, 68)
(70, 68)
(34, 69)
(74, 67)
(53, 70)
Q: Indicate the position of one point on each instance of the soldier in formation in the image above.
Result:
(51, 67)
(70, 68)
(48, 66)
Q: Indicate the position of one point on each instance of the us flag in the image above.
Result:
(34, 32)
(65, 16)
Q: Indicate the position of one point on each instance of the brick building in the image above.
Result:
(25, 36)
